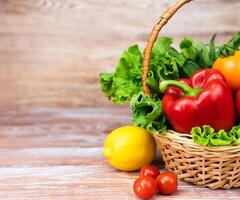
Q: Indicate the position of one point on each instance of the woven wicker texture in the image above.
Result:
(213, 167)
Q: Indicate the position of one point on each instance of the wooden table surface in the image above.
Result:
(57, 154)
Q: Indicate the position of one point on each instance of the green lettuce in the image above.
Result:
(121, 85)
(230, 47)
(198, 55)
(206, 136)
(147, 113)
(166, 63)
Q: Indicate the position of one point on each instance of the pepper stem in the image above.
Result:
(188, 91)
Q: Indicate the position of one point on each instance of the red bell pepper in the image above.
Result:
(203, 99)
(238, 104)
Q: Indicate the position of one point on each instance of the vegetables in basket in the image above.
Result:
(202, 99)
(166, 63)
(137, 79)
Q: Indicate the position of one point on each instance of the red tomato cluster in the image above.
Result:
(152, 181)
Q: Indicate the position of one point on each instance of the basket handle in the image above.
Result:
(152, 38)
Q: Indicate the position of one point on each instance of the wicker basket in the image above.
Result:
(213, 167)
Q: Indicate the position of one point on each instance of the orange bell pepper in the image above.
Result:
(230, 68)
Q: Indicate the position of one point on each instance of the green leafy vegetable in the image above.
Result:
(230, 47)
(166, 63)
(162, 45)
(197, 52)
(148, 113)
(126, 81)
(189, 68)
(107, 84)
(206, 136)
(213, 55)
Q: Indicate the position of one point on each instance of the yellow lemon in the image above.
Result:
(129, 148)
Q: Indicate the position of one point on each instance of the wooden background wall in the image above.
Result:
(51, 51)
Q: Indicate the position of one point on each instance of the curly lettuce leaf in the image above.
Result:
(106, 80)
(164, 63)
(148, 113)
(162, 45)
(121, 85)
(206, 136)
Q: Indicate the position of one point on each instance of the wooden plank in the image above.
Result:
(91, 182)
(51, 137)
(51, 51)
(57, 154)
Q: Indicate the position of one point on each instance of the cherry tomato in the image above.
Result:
(238, 104)
(230, 68)
(145, 187)
(150, 170)
(167, 183)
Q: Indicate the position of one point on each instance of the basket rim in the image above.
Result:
(187, 140)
